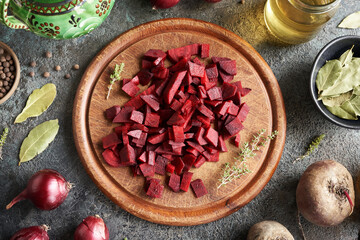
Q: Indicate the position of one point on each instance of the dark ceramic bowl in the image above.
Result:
(333, 50)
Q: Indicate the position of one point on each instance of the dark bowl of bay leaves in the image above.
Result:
(335, 81)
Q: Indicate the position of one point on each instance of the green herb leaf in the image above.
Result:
(37, 103)
(337, 101)
(115, 76)
(351, 21)
(38, 140)
(3, 139)
(346, 57)
(312, 147)
(328, 75)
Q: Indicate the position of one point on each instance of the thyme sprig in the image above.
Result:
(115, 76)
(312, 147)
(3, 139)
(248, 150)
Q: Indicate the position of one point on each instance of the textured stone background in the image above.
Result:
(291, 65)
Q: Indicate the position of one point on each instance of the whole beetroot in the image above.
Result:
(269, 230)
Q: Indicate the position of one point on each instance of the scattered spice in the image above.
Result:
(67, 76)
(3, 139)
(57, 68)
(115, 76)
(32, 64)
(7, 72)
(46, 74)
(76, 67)
(312, 147)
(48, 54)
(239, 168)
(31, 74)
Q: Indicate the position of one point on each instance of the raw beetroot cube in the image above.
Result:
(178, 134)
(127, 155)
(215, 93)
(188, 160)
(192, 90)
(152, 120)
(180, 65)
(210, 84)
(189, 135)
(218, 59)
(151, 155)
(135, 80)
(210, 149)
(176, 119)
(187, 82)
(223, 108)
(229, 66)
(137, 126)
(137, 102)
(237, 140)
(147, 170)
(146, 64)
(228, 90)
(199, 136)
(176, 105)
(149, 180)
(151, 101)
(196, 70)
(137, 116)
(143, 157)
(244, 91)
(225, 77)
(111, 113)
(130, 88)
(199, 161)
(124, 115)
(155, 189)
(172, 86)
(204, 50)
(160, 86)
(174, 182)
(244, 110)
(155, 139)
(198, 187)
(202, 92)
(212, 71)
(179, 165)
(214, 103)
(176, 54)
(160, 165)
(214, 157)
(142, 140)
(197, 61)
(222, 145)
(206, 111)
(204, 79)
(144, 76)
(185, 181)
(193, 151)
(204, 120)
(155, 55)
(160, 72)
(196, 80)
(198, 147)
(170, 168)
(110, 140)
(211, 136)
(233, 110)
(111, 159)
(234, 127)
(207, 155)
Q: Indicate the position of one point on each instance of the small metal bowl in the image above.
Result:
(17, 72)
(333, 50)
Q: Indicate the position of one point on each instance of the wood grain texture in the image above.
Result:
(266, 111)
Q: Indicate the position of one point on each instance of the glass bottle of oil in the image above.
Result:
(298, 21)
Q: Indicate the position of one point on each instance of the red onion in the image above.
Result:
(92, 228)
(162, 4)
(46, 189)
(32, 233)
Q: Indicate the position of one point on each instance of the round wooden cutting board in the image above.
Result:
(267, 111)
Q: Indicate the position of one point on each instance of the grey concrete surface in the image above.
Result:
(291, 65)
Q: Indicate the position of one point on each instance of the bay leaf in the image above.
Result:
(355, 103)
(344, 111)
(356, 90)
(351, 21)
(37, 103)
(328, 75)
(38, 140)
(337, 101)
(346, 57)
(350, 78)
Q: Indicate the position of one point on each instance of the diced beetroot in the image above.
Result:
(147, 170)
(170, 168)
(178, 134)
(196, 70)
(188, 160)
(244, 91)
(218, 59)
(185, 181)
(125, 137)
(204, 50)
(142, 140)
(155, 139)
(225, 77)
(135, 170)
(168, 157)
(172, 86)
(176, 105)
(160, 86)
(205, 111)
(151, 157)
(111, 113)
(215, 93)
(212, 71)
(189, 135)
(155, 189)
(187, 82)
(207, 155)
(192, 90)
(146, 64)
(228, 90)
(137, 116)
(196, 80)
(199, 136)
(124, 115)
(197, 61)
(155, 55)
(229, 66)
(204, 120)
(110, 140)
(130, 89)
(211, 136)
(176, 144)
(176, 54)
(160, 72)
(214, 157)
(187, 107)
(151, 101)
(160, 165)
(244, 110)
(210, 84)
(144, 76)
(152, 120)
(135, 133)
(198, 187)
(193, 151)
(179, 165)
(137, 102)
(176, 119)
(222, 145)
(204, 80)
(237, 140)
(229, 119)
(210, 149)
(174, 182)
(233, 110)
(197, 146)
(234, 127)
(223, 108)
(237, 98)
(127, 155)
(149, 180)
(213, 103)
(180, 65)
(199, 161)
(111, 159)
(137, 126)
(202, 92)
(143, 157)
(135, 80)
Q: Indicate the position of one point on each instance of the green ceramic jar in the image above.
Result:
(57, 19)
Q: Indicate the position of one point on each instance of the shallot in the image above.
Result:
(92, 228)
(32, 233)
(46, 189)
(162, 4)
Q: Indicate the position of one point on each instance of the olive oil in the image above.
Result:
(298, 21)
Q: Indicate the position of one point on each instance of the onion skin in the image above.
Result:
(163, 4)
(319, 194)
(46, 189)
(92, 228)
(32, 233)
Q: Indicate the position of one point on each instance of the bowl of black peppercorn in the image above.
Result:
(9, 72)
